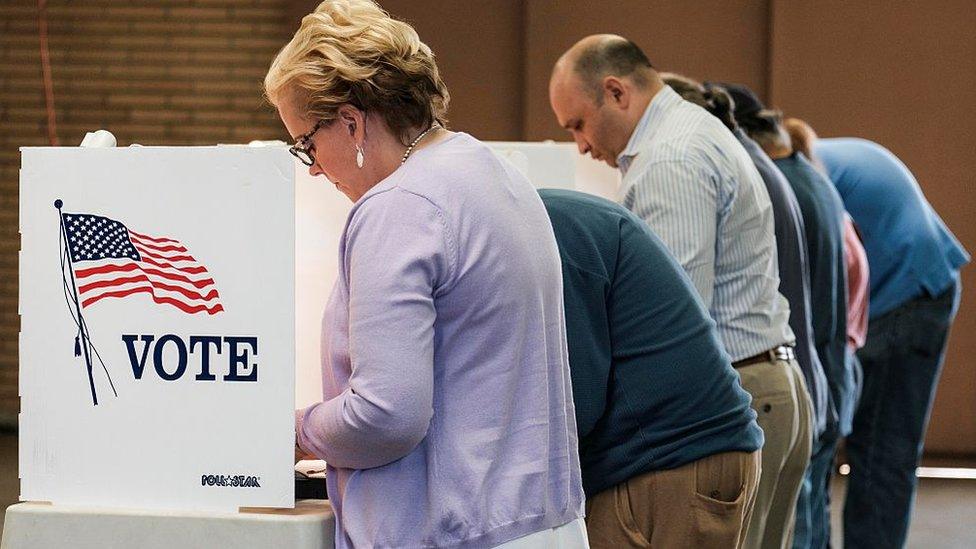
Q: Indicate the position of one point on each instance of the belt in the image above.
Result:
(782, 352)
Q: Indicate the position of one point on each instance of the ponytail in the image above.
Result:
(713, 99)
(720, 104)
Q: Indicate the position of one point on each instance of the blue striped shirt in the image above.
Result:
(690, 180)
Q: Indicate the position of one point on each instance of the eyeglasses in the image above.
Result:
(303, 149)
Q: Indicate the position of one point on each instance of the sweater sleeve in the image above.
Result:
(396, 257)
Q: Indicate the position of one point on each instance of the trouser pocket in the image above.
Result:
(720, 482)
(723, 485)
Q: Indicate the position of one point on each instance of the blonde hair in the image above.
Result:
(353, 52)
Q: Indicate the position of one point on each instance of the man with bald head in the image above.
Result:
(691, 181)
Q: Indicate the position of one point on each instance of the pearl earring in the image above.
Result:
(360, 159)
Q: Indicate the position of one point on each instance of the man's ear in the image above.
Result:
(616, 92)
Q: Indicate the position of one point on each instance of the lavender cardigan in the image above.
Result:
(447, 416)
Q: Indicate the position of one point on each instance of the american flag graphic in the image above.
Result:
(111, 260)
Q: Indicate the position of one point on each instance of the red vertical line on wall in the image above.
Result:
(770, 52)
(52, 133)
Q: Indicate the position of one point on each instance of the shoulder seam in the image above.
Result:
(452, 241)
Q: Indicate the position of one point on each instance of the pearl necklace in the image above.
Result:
(415, 141)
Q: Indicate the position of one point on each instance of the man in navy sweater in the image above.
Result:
(666, 435)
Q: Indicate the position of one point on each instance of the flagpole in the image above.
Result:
(81, 320)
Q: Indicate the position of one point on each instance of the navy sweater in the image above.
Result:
(823, 218)
(652, 384)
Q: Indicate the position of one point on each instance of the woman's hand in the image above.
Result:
(302, 454)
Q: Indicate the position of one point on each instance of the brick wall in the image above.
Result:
(155, 72)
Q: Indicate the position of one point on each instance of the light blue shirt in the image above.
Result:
(693, 183)
(910, 250)
(447, 417)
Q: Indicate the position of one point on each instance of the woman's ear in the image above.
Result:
(354, 121)
(348, 120)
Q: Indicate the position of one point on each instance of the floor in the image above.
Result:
(944, 512)
(943, 518)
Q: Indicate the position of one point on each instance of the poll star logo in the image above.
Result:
(102, 258)
(231, 481)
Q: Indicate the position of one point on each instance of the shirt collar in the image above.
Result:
(662, 101)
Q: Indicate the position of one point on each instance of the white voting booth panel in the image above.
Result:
(321, 212)
(321, 217)
(175, 388)
(551, 165)
(196, 436)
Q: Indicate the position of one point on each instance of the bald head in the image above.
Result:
(597, 56)
(599, 90)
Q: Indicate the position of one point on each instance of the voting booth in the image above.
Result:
(551, 165)
(157, 344)
(321, 216)
(170, 302)
(158, 349)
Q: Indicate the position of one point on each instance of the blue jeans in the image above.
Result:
(812, 530)
(901, 361)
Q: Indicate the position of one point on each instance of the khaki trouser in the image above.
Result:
(705, 503)
(782, 402)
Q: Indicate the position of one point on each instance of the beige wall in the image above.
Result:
(902, 74)
(167, 72)
(719, 40)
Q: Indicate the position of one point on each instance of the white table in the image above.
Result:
(310, 524)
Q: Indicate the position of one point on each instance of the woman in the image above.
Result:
(447, 415)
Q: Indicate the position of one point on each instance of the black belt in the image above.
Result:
(783, 352)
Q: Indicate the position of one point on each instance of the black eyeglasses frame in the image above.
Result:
(303, 149)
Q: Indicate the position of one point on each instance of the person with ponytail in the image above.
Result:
(791, 249)
(791, 244)
(823, 216)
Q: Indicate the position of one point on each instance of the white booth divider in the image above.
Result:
(321, 216)
(157, 345)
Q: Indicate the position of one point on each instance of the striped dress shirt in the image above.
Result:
(690, 180)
